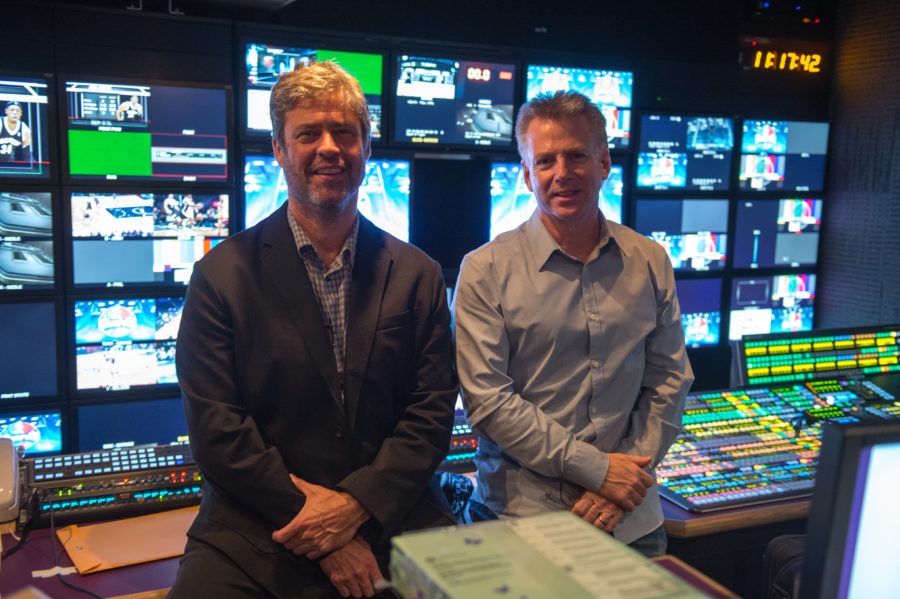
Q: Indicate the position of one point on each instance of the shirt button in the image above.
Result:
(595, 364)
(593, 316)
(339, 433)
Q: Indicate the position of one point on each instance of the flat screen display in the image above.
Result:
(701, 310)
(125, 343)
(776, 304)
(455, 102)
(512, 203)
(26, 240)
(131, 423)
(383, 196)
(685, 152)
(265, 63)
(783, 155)
(777, 233)
(143, 238)
(24, 135)
(145, 132)
(37, 433)
(611, 91)
(693, 232)
(28, 352)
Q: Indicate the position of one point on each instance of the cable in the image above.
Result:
(53, 541)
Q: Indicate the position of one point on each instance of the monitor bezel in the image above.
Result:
(55, 237)
(61, 339)
(40, 409)
(53, 168)
(764, 193)
(76, 417)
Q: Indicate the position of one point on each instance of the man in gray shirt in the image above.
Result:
(569, 343)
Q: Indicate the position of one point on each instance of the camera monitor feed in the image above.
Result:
(455, 102)
(701, 310)
(512, 203)
(694, 232)
(266, 63)
(776, 304)
(682, 152)
(28, 355)
(24, 149)
(33, 433)
(126, 343)
(383, 195)
(777, 233)
(130, 424)
(609, 90)
(26, 240)
(147, 132)
(147, 238)
(783, 156)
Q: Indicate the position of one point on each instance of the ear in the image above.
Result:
(526, 173)
(605, 163)
(278, 152)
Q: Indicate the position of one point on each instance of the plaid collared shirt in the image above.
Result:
(331, 284)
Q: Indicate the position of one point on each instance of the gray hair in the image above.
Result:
(307, 85)
(556, 106)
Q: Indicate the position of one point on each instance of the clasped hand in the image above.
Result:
(328, 520)
(626, 483)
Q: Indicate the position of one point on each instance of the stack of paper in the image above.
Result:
(548, 556)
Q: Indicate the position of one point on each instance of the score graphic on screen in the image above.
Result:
(447, 101)
(24, 151)
(146, 132)
(783, 155)
(611, 91)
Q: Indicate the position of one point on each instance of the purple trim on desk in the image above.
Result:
(690, 576)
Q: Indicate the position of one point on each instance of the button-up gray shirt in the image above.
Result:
(562, 363)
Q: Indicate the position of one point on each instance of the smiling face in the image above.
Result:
(324, 156)
(567, 168)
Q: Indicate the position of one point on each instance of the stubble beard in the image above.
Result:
(326, 209)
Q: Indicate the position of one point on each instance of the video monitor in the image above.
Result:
(28, 353)
(142, 132)
(685, 152)
(35, 432)
(611, 91)
(783, 155)
(701, 310)
(121, 344)
(126, 424)
(24, 128)
(693, 232)
(121, 239)
(776, 304)
(777, 233)
(454, 102)
(512, 203)
(265, 63)
(26, 240)
(383, 196)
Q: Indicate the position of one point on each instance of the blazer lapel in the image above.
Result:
(283, 265)
(370, 273)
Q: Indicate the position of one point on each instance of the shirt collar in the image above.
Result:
(544, 246)
(303, 241)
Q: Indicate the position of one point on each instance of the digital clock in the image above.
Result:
(774, 60)
(767, 54)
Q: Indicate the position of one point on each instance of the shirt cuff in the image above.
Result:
(586, 466)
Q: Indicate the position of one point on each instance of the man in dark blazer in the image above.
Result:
(315, 363)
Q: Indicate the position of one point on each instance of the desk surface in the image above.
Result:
(37, 554)
(681, 523)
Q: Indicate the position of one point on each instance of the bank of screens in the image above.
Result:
(383, 195)
(455, 102)
(131, 423)
(693, 232)
(265, 63)
(685, 152)
(701, 310)
(777, 233)
(783, 156)
(143, 238)
(26, 240)
(28, 352)
(36, 433)
(146, 132)
(125, 343)
(609, 90)
(776, 304)
(24, 146)
(512, 203)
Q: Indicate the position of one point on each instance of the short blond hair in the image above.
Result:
(556, 106)
(314, 83)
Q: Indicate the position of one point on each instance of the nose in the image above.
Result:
(564, 166)
(327, 145)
